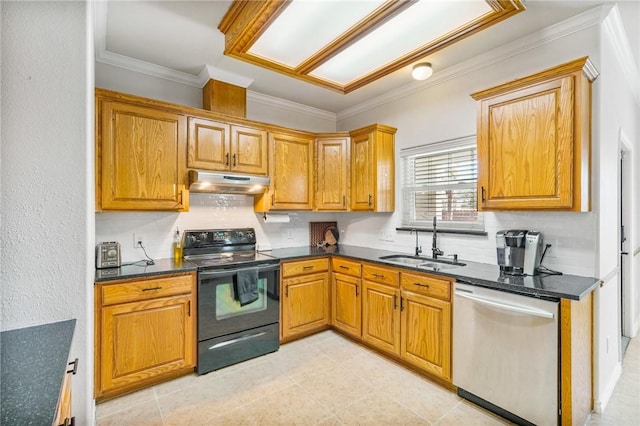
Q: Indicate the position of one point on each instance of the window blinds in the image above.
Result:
(441, 182)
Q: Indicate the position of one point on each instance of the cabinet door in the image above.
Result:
(525, 148)
(208, 145)
(381, 316)
(142, 153)
(346, 304)
(426, 333)
(306, 304)
(248, 150)
(362, 181)
(143, 340)
(291, 171)
(332, 174)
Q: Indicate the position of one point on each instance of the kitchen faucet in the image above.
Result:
(434, 246)
(418, 248)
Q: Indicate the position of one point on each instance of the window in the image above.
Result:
(440, 180)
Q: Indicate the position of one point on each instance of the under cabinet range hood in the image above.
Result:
(226, 183)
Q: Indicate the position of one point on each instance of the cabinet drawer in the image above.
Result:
(426, 285)
(346, 267)
(380, 275)
(291, 269)
(146, 289)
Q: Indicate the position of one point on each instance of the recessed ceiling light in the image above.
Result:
(422, 71)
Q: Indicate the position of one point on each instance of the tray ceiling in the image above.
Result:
(347, 45)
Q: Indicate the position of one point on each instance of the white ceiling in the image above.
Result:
(183, 36)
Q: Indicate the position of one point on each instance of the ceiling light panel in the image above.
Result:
(414, 27)
(315, 22)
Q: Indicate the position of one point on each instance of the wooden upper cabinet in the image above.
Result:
(332, 172)
(140, 157)
(534, 141)
(219, 146)
(291, 172)
(249, 150)
(208, 145)
(373, 169)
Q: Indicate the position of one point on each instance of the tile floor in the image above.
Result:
(323, 379)
(623, 408)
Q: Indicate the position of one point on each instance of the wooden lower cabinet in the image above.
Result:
(145, 332)
(305, 304)
(408, 315)
(426, 334)
(346, 303)
(381, 316)
(63, 410)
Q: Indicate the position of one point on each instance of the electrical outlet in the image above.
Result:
(290, 234)
(139, 238)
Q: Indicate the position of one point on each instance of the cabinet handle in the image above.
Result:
(189, 308)
(344, 267)
(484, 199)
(401, 303)
(234, 160)
(272, 199)
(152, 288)
(378, 275)
(421, 285)
(286, 291)
(370, 200)
(74, 370)
(307, 268)
(226, 163)
(356, 291)
(395, 301)
(344, 200)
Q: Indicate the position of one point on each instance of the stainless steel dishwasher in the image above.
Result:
(505, 353)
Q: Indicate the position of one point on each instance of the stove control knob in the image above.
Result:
(192, 239)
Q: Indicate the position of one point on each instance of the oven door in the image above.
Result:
(221, 313)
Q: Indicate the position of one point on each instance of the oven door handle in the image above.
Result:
(226, 272)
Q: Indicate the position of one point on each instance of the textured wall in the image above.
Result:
(44, 170)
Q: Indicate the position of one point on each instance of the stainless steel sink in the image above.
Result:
(406, 259)
(438, 266)
(419, 261)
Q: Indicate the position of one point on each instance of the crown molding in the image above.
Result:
(557, 31)
(261, 98)
(614, 30)
(210, 72)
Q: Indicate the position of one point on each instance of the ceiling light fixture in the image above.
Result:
(422, 71)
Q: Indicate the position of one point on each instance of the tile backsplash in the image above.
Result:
(572, 235)
(207, 211)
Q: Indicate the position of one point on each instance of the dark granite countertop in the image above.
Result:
(481, 274)
(141, 269)
(32, 370)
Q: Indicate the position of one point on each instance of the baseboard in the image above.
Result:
(603, 399)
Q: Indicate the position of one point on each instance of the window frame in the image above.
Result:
(476, 227)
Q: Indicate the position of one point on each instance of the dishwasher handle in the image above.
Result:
(498, 304)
